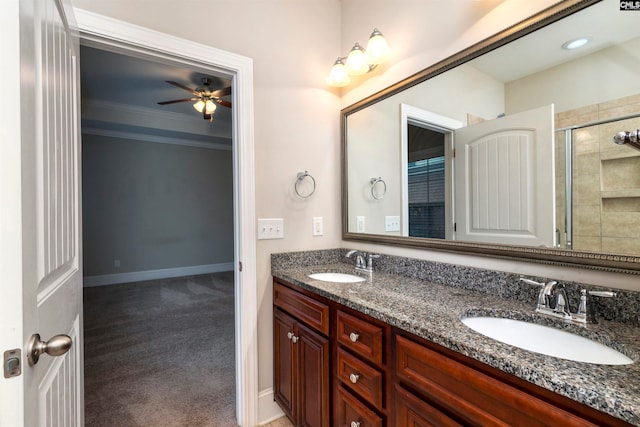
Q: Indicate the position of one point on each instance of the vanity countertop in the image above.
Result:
(433, 312)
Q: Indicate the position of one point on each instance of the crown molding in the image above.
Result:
(136, 136)
(117, 113)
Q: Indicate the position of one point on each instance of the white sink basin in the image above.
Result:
(337, 277)
(546, 340)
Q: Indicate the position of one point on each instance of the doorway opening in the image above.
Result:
(427, 173)
(104, 33)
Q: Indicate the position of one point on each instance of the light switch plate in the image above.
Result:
(391, 223)
(318, 229)
(360, 224)
(270, 228)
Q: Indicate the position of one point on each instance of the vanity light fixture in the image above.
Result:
(359, 61)
(576, 43)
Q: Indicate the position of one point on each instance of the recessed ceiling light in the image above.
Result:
(576, 43)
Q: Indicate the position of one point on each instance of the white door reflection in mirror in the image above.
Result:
(504, 180)
(427, 172)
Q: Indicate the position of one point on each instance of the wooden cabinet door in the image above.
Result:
(313, 377)
(284, 363)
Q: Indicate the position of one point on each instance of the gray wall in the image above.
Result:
(154, 206)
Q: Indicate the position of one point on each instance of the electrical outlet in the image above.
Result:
(270, 228)
(360, 224)
(391, 223)
(317, 226)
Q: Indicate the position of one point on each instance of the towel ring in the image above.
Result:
(301, 177)
(374, 182)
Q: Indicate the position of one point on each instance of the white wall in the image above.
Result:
(154, 206)
(421, 33)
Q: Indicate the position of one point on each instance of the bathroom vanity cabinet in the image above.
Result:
(301, 356)
(381, 375)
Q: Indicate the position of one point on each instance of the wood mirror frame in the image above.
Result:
(565, 257)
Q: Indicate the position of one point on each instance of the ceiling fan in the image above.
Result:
(205, 98)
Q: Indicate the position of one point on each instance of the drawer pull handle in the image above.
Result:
(294, 339)
(355, 423)
(289, 335)
(354, 378)
(353, 337)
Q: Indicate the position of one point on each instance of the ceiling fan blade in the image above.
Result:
(221, 92)
(178, 100)
(181, 86)
(223, 103)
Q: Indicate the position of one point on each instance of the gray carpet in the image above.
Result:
(160, 353)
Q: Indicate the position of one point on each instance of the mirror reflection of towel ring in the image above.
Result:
(378, 194)
(301, 191)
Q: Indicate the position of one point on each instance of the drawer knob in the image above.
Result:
(294, 339)
(354, 378)
(289, 335)
(353, 337)
(355, 423)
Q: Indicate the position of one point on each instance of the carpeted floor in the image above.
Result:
(160, 353)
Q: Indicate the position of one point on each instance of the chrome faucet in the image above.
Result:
(553, 301)
(360, 256)
(361, 264)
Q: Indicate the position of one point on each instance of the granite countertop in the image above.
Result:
(433, 312)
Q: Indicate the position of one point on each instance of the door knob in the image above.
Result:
(56, 346)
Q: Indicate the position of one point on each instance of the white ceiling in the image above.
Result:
(603, 22)
(121, 93)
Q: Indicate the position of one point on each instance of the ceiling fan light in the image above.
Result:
(338, 76)
(377, 48)
(356, 61)
(210, 107)
(199, 106)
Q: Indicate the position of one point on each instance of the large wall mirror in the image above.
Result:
(507, 148)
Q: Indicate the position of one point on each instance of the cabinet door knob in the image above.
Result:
(289, 335)
(355, 423)
(294, 339)
(353, 337)
(354, 378)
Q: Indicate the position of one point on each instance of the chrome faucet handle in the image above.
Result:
(586, 313)
(370, 259)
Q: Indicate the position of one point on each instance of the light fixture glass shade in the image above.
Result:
(209, 107)
(338, 76)
(199, 106)
(356, 61)
(377, 48)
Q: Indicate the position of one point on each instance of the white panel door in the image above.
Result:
(505, 180)
(40, 212)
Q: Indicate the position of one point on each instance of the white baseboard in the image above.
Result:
(165, 273)
(268, 409)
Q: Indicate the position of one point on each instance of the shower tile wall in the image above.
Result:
(606, 179)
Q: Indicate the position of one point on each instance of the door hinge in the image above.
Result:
(454, 153)
(455, 225)
(12, 363)
(239, 265)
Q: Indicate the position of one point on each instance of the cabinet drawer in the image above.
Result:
(362, 378)
(412, 411)
(471, 395)
(350, 412)
(314, 313)
(360, 336)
